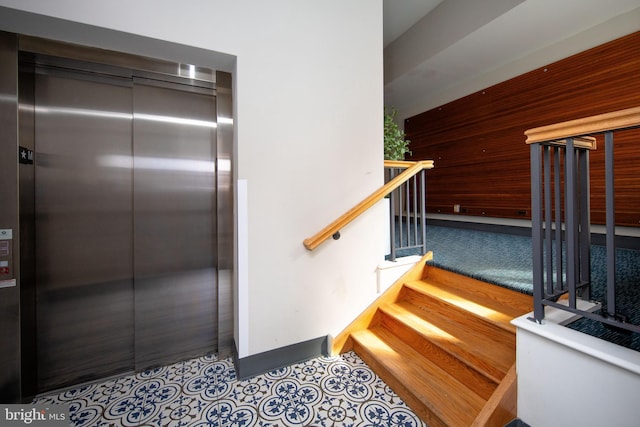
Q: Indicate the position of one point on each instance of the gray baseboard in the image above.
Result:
(517, 423)
(257, 364)
(626, 242)
(479, 226)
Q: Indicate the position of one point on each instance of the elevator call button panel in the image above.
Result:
(6, 254)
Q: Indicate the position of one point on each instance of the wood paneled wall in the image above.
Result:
(478, 143)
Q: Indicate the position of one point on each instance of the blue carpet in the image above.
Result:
(505, 260)
(501, 259)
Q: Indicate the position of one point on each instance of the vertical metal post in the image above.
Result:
(570, 219)
(610, 223)
(414, 200)
(408, 211)
(225, 216)
(400, 220)
(548, 241)
(423, 209)
(585, 226)
(536, 231)
(10, 292)
(392, 219)
(558, 214)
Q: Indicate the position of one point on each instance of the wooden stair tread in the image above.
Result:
(489, 352)
(518, 302)
(445, 344)
(490, 310)
(431, 392)
(445, 310)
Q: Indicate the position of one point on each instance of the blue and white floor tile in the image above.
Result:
(323, 392)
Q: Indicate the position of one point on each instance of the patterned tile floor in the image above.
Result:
(326, 391)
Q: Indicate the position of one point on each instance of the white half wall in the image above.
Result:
(308, 103)
(568, 378)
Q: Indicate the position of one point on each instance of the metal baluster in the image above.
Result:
(423, 209)
(400, 221)
(585, 225)
(392, 219)
(610, 223)
(570, 219)
(407, 210)
(414, 199)
(548, 241)
(558, 205)
(536, 231)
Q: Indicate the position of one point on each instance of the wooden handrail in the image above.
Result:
(412, 168)
(399, 164)
(615, 120)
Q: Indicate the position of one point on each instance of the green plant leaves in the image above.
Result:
(395, 144)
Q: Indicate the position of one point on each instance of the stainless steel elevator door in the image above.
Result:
(174, 223)
(83, 229)
(125, 223)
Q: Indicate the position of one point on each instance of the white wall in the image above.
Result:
(308, 114)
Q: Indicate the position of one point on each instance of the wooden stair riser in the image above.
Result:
(480, 377)
(398, 387)
(498, 329)
(492, 350)
(514, 303)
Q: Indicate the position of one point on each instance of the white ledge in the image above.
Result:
(552, 329)
(399, 262)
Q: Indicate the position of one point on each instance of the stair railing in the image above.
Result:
(560, 175)
(411, 181)
(407, 211)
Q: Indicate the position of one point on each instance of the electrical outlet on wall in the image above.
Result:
(456, 208)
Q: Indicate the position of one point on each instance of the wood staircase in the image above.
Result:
(444, 343)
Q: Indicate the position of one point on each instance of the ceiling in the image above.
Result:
(432, 46)
(400, 15)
